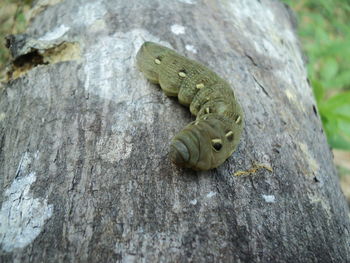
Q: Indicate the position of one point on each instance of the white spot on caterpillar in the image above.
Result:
(211, 194)
(193, 202)
(191, 49)
(182, 74)
(178, 29)
(238, 119)
(269, 198)
(190, 2)
(55, 34)
(22, 216)
(200, 86)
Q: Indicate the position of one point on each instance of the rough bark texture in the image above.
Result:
(84, 139)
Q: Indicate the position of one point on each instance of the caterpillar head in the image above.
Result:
(202, 145)
(149, 58)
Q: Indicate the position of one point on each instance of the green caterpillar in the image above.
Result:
(209, 140)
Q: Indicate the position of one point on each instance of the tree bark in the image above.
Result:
(85, 175)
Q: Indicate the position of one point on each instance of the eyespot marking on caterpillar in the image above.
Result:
(217, 144)
(229, 136)
(200, 86)
(238, 119)
(157, 61)
(182, 74)
(215, 133)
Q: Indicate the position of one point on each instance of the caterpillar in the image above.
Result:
(209, 140)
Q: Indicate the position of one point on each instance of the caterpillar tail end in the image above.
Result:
(179, 153)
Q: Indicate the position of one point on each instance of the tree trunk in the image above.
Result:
(85, 173)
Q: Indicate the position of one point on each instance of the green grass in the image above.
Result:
(324, 29)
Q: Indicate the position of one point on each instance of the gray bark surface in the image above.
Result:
(85, 175)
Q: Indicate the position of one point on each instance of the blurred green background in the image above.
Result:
(324, 31)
